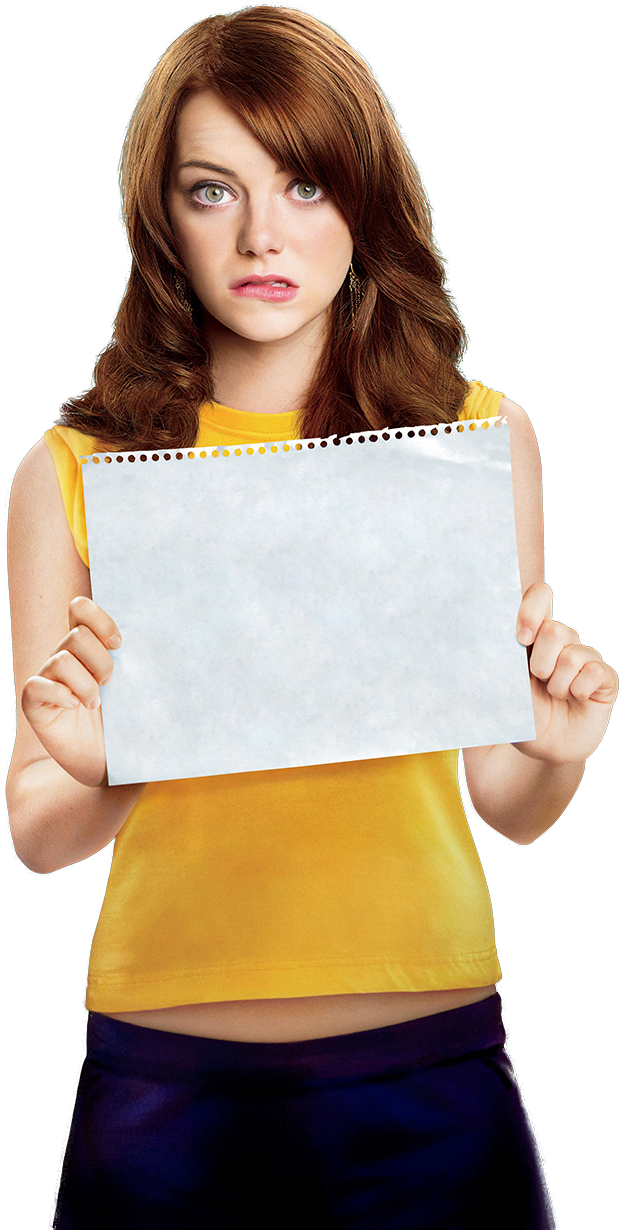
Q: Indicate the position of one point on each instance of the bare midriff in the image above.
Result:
(296, 1020)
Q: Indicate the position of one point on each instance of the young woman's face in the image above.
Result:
(265, 252)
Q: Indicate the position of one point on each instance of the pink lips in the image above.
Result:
(272, 287)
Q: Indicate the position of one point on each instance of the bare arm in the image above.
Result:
(521, 789)
(55, 818)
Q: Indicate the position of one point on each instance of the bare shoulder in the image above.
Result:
(511, 409)
(45, 573)
(45, 570)
(36, 509)
(517, 418)
(41, 545)
(39, 533)
(36, 504)
(36, 474)
(521, 431)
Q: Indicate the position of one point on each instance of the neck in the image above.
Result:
(264, 377)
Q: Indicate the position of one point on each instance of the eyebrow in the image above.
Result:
(208, 166)
(212, 166)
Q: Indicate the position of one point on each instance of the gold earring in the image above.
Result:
(181, 289)
(356, 294)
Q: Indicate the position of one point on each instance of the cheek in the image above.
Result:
(343, 242)
(200, 255)
(189, 237)
(333, 247)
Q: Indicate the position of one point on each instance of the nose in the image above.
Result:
(261, 231)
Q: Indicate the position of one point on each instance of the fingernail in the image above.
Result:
(114, 642)
(525, 636)
(94, 703)
(106, 680)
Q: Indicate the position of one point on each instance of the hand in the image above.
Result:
(573, 690)
(62, 701)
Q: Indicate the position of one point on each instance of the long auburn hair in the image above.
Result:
(314, 104)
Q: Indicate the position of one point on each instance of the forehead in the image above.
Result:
(209, 128)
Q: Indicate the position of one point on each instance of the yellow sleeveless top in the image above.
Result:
(320, 880)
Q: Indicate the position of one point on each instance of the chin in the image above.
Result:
(259, 330)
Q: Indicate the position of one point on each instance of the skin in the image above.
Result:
(264, 354)
(60, 806)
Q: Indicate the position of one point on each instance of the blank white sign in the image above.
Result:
(308, 602)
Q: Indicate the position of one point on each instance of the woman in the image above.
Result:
(282, 259)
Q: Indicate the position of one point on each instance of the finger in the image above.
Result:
(536, 606)
(84, 645)
(39, 693)
(551, 639)
(572, 664)
(63, 667)
(595, 681)
(84, 611)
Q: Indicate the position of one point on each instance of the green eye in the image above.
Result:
(306, 190)
(210, 195)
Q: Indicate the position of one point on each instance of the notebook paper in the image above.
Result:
(309, 601)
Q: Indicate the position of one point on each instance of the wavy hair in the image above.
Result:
(314, 104)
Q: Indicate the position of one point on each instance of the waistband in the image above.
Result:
(127, 1049)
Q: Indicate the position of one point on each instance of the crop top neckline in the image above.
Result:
(249, 425)
(246, 425)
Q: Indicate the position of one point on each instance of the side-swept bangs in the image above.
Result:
(314, 104)
(309, 98)
(310, 103)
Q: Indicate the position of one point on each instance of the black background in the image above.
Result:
(513, 135)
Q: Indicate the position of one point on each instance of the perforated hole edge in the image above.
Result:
(295, 446)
